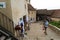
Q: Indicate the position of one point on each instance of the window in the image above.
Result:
(2, 5)
(26, 0)
(25, 6)
(29, 0)
(32, 12)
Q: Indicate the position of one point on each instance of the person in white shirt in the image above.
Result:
(21, 23)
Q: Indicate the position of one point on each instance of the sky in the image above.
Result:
(45, 4)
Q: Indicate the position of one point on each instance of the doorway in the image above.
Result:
(24, 19)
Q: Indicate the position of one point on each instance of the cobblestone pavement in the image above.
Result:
(37, 33)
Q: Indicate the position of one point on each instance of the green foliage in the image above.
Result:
(55, 23)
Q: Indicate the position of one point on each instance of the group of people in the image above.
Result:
(20, 28)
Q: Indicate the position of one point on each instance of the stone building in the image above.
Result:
(10, 13)
(56, 15)
(42, 13)
(31, 13)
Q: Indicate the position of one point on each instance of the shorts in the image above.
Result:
(45, 28)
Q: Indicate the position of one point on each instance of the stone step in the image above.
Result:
(8, 39)
(27, 38)
(2, 37)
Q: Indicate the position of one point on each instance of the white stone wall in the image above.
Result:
(18, 9)
(32, 14)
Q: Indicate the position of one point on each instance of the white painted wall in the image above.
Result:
(18, 9)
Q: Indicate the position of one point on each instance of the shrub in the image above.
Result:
(55, 23)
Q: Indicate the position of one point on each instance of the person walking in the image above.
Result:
(46, 23)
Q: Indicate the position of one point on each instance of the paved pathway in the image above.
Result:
(37, 33)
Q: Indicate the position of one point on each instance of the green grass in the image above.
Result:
(55, 23)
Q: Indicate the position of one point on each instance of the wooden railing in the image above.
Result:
(6, 23)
